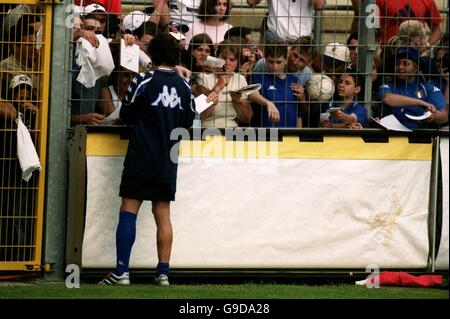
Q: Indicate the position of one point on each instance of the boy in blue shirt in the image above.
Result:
(351, 114)
(298, 60)
(406, 94)
(278, 87)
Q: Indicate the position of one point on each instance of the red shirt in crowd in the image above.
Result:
(394, 12)
(111, 6)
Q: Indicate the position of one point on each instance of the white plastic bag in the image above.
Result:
(26, 152)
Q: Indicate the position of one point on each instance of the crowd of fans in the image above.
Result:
(410, 67)
(110, 46)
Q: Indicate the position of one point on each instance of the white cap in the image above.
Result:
(134, 20)
(177, 35)
(337, 51)
(77, 10)
(20, 79)
(93, 7)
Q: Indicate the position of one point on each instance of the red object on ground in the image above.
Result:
(389, 278)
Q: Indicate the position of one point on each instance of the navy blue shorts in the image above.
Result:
(153, 191)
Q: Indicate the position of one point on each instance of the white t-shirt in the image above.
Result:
(224, 114)
(216, 33)
(115, 98)
(290, 20)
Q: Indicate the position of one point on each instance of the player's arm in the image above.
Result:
(129, 109)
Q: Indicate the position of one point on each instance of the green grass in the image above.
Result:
(209, 291)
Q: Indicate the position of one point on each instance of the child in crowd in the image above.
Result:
(351, 114)
(299, 57)
(280, 88)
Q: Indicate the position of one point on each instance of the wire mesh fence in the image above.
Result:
(23, 41)
(308, 37)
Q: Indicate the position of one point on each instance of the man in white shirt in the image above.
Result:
(289, 19)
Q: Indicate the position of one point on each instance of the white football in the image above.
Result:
(320, 87)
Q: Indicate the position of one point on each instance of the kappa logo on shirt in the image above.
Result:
(168, 100)
(271, 88)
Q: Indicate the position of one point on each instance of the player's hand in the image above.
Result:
(183, 72)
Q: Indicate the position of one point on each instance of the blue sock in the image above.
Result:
(162, 268)
(125, 235)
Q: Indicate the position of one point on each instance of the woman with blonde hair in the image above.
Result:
(416, 33)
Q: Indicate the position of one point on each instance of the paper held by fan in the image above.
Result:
(129, 56)
(248, 89)
(214, 62)
(334, 109)
(201, 104)
(422, 117)
(111, 117)
(390, 122)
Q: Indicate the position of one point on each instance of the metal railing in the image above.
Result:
(22, 203)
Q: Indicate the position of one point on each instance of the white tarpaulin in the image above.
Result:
(285, 213)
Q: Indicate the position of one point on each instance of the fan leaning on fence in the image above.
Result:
(407, 96)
